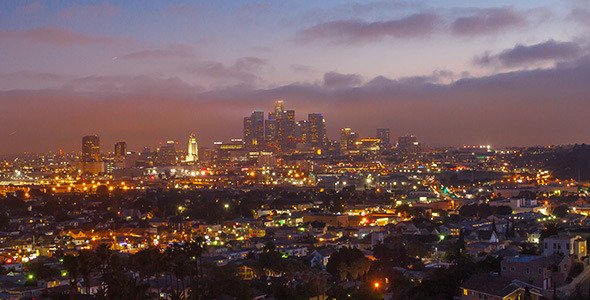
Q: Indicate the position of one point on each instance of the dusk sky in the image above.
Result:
(451, 72)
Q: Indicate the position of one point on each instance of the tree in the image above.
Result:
(561, 210)
(72, 265)
(345, 262)
(549, 230)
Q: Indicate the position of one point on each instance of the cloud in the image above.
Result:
(338, 80)
(487, 21)
(89, 11)
(581, 16)
(191, 10)
(302, 68)
(30, 79)
(254, 8)
(523, 55)
(369, 7)
(130, 84)
(243, 69)
(176, 51)
(31, 8)
(31, 75)
(354, 31)
(474, 22)
(59, 37)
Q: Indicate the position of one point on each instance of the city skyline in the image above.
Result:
(501, 73)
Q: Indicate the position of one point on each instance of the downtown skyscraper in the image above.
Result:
(90, 148)
(254, 130)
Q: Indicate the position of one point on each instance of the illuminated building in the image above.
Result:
(302, 132)
(270, 132)
(385, 136)
(254, 130)
(279, 107)
(317, 130)
(167, 154)
(408, 144)
(90, 162)
(368, 145)
(120, 149)
(120, 158)
(90, 148)
(232, 151)
(287, 130)
(279, 128)
(347, 140)
(193, 149)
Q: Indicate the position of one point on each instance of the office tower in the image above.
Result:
(384, 135)
(302, 132)
(247, 132)
(317, 130)
(347, 139)
(254, 130)
(270, 132)
(286, 134)
(193, 149)
(279, 108)
(408, 144)
(120, 149)
(167, 154)
(90, 148)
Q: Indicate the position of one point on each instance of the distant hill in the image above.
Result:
(572, 162)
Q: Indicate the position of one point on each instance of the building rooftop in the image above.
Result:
(490, 284)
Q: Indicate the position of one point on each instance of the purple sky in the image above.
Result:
(451, 72)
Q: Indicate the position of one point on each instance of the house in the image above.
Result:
(292, 250)
(543, 272)
(319, 258)
(565, 245)
(490, 287)
(407, 228)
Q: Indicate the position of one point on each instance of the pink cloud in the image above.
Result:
(487, 21)
(59, 37)
(89, 11)
(176, 51)
(353, 31)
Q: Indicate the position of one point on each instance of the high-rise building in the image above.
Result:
(120, 149)
(279, 127)
(167, 154)
(270, 132)
(287, 130)
(193, 149)
(347, 139)
(408, 144)
(317, 130)
(302, 132)
(254, 130)
(384, 135)
(90, 148)
(279, 108)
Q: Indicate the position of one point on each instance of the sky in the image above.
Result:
(505, 73)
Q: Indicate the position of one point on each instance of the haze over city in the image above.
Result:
(451, 72)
